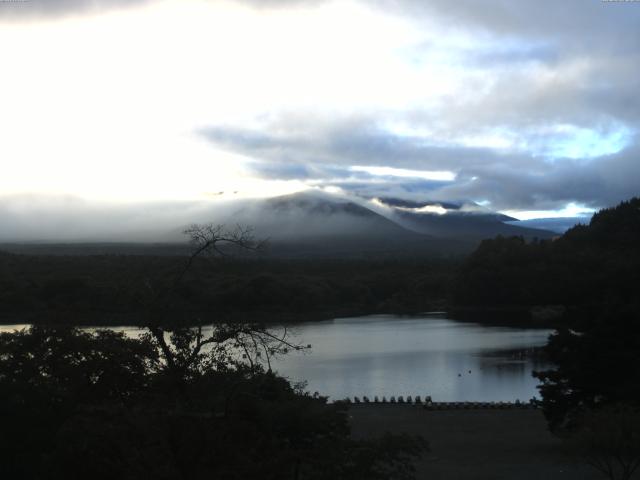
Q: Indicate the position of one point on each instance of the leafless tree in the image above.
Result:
(186, 347)
(216, 240)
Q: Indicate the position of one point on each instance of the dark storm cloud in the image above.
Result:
(509, 55)
(300, 171)
(407, 189)
(510, 180)
(278, 171)
(580, 24)
(588, 52)
(349, 142)
(601, 182)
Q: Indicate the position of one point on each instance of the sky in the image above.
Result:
(530, 108)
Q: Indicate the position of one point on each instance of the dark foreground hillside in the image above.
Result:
(589, 269)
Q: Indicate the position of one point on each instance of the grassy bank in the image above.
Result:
(476, 444)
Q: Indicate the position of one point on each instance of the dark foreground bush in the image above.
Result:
(75, 405)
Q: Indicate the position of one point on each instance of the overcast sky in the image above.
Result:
(529, 107)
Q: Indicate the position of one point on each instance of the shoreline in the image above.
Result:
(127, 319)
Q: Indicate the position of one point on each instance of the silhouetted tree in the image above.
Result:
(592, 368)
(184, 343)
(48, 373)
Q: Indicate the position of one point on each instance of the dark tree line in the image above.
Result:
(588, 268)
(94, 290)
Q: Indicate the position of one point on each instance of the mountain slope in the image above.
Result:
(323, 225)
(449, 220)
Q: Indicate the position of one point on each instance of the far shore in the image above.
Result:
(499, 316)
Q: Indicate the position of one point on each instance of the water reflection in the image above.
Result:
(390, 355)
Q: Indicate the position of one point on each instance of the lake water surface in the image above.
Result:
(387, 355)
(427, 355)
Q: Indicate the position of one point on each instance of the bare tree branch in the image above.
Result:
(187, 345)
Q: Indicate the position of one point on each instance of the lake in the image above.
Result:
(387, 355)
(419, 355)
